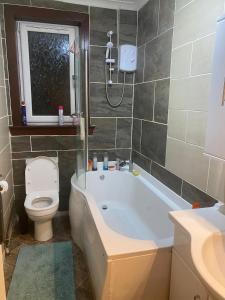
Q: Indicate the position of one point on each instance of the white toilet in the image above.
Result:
(42, 194)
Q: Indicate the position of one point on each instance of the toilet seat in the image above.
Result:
(41, 203)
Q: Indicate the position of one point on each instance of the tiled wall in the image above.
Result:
(193, 44)
(5, 149)
(176, 160)
(113, 126)
(113, 131)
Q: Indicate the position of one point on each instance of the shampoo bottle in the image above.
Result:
(106, 161)
(95, 162)
(61, 117)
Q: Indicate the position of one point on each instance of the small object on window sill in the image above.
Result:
(61, 117)
(76, 120)
(23, 113)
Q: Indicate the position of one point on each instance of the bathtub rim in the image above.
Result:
(117, 245)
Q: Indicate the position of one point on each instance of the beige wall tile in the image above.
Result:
(3, 105)
(191, 93)
(203, 55)
(4, 132)
(216, 182)
(181, 3)
(6, 197)
(196, 128)
(181, 61)
(196, 20)
(188, 162)
(5, 161)
(177, 121)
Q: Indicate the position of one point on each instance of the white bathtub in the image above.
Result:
(121, 223)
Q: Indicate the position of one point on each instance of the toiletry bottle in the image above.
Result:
(106, 161)
(117, 164)
(23, 113)
(61, 117)
(95, 162)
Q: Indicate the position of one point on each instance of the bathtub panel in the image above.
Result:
(96, 257)
(76, 212)
(142, 277)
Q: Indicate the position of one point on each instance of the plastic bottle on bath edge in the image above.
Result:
(95, 162)
(106, 162)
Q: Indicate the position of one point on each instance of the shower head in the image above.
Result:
(110, 33)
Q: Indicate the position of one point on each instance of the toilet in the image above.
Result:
(42, 194)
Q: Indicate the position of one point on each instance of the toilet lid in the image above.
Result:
(41, 174)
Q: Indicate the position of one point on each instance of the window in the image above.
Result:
(49, 70)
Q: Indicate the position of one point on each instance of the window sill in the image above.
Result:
(47, 130)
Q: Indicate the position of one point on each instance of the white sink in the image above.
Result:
(209, 259)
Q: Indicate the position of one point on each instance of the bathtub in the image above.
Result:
(121, 223)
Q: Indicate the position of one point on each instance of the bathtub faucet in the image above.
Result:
(124, 163)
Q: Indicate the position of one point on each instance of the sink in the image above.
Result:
(209, 259)
(213, 254)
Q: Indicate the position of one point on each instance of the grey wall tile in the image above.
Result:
(153, 142)
(123, 154)
(19, 172)
(141, 161)
(172, 181)
(21, 2)
(129, 77)
(139, 74)
(144, 101)
(123, 136)
(102, 20)
(136, 138)
(166, 15)
(127, 27)
(158, 57)
(104, 134)
(20, 195)
(42, 143)
(148, 21)
(20, 143)
(97, 64)
(5, 58)
(162, 93)
(2, 24)
(67, 163)
(192, 194)
(26, 155)
(60, 5)
(99, 106)
(8, 97)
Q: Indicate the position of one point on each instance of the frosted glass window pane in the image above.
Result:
(50, 72)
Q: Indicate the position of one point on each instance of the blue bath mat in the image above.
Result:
(43, 272)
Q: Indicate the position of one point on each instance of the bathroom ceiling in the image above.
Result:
(123, 4)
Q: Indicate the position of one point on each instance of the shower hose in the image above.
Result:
(106, 90)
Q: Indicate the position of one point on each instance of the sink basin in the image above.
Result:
(213, 254)
(209, 260)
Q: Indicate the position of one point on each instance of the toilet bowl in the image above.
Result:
(42, 194)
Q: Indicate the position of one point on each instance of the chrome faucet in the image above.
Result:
(122, 163)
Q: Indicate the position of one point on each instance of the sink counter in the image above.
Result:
(206, 230)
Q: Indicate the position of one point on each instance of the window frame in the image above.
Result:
(24, 67)
(14, 13)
